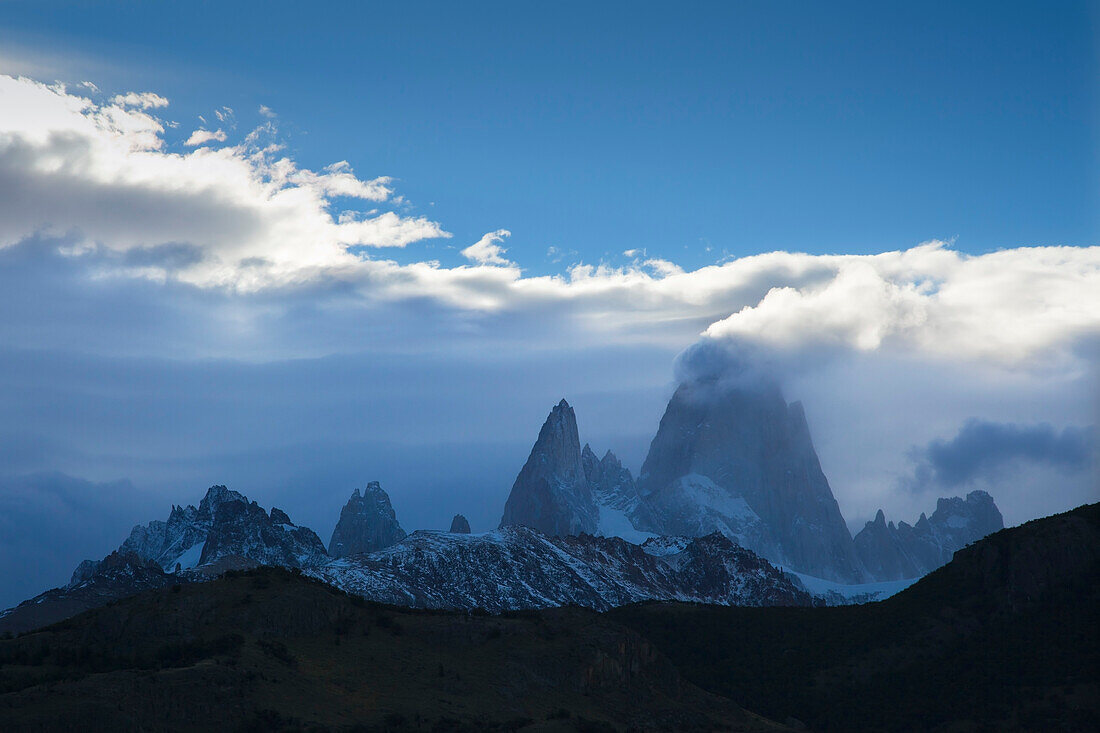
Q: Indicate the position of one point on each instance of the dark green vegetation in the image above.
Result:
(1002, 638)
(1005, 637)
(268, 649)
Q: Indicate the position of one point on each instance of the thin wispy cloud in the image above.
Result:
(140, 100)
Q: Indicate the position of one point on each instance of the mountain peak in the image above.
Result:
(610, 460)
(216, 496)
(367, 522)
(460, 525)
(732, 455)
(551, 492)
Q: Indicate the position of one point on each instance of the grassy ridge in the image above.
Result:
(269, 650)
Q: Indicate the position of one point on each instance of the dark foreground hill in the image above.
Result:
(268, 649)
(1004, 637)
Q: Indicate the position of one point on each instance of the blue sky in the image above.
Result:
(694, 132)
(449, 216)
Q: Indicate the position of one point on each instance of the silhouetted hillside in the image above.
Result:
(1002, 638)
(268, 649)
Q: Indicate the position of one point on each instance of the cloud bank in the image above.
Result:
(987, 450)
(101, 180)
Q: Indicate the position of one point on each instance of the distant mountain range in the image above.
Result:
(731, 508)
(738, 460)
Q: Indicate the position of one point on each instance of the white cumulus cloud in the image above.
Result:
(487, 250)
(100, 173)
(1006, 307)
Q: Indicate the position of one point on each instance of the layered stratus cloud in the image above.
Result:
(245, 219)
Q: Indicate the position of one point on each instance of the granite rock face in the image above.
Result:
(551, 493)
(739, 460)
(460, 525)
(895, 552)
(367, 523)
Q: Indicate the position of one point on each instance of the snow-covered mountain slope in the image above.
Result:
(622, 511)
(519, 567)
(841, 594)
(894, 552)
(696, 506)
(511, 568)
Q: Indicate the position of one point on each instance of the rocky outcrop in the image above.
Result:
(84, 571)
(244, 529)
(737, 459)
(459, 525)
(551, 493)
(96, 583)
(367, 523)
(185, 530)
(894, 552)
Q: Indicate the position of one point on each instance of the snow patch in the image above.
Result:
(615, 523)
(188, 559)
(700, 490)
(862, 592)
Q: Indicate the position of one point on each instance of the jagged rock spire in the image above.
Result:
(460, 525)
(894, 552)
(551, 493)
(367, 522)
